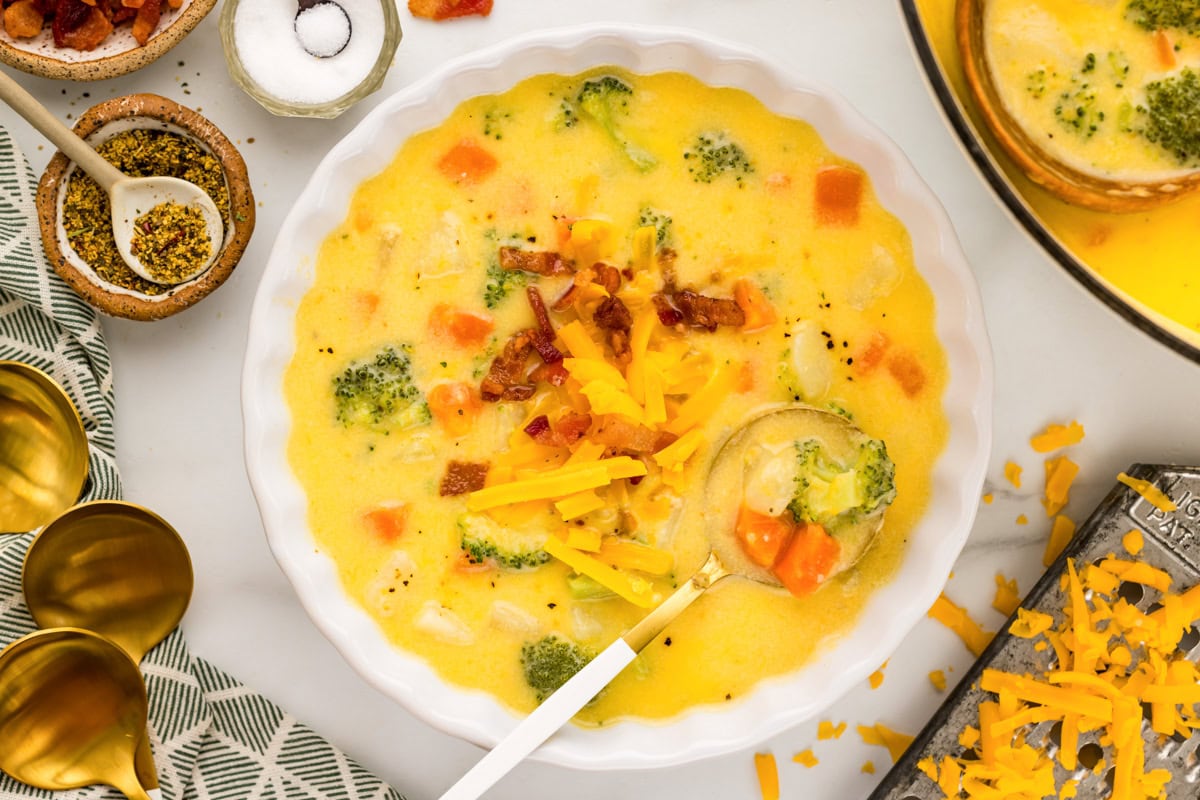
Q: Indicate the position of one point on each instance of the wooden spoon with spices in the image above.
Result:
(131, 199)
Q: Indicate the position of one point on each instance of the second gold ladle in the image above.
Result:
(72, 709)
(114, 568)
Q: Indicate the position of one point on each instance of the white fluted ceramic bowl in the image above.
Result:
(776, 704)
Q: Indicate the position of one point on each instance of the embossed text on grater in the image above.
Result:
(1172, 544)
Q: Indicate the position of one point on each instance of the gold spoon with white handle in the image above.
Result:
(43, 448)
(724, 488)
(128, 197)
(114, 568)
(72, 710)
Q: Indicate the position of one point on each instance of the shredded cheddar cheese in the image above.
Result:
(636, 590)
(1012, 471)
(768, 775)
(1007, 597)
(1133, 542)
(1111, 661)
(876, 678)
(1056, 437)
(827, 730)
(938, 678)
(879, 734)
(806, 758)
(1060, 535)
(988, 498)
(956, 619)
(1060, 474)
(868, 768)
(1022, 519)
(1149, 492)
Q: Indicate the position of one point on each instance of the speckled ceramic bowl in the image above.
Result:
(119, 54)
(98, 124)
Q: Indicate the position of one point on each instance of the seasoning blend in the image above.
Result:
(309, 58)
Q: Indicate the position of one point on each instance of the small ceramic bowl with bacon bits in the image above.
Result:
(88, 40)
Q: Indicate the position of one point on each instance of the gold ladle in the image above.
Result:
(114, 568)
(72, 710)
(724, 488)
(43, 448)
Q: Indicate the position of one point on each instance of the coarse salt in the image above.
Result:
(323, 29)
(273, 55)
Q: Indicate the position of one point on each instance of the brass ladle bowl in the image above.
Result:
(72, 710)
(43, 448)
(1079, 188)
(116, 569)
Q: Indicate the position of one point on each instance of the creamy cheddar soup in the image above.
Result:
(1099, 84)
(528, 338)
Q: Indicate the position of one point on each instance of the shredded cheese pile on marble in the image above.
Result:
(1111, 659)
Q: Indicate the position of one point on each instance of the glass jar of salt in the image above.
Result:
(309, 57)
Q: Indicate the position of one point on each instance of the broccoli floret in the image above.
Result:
(1156, 15)
(1172, 115)
(1077, 107)
(380, 392)
(550, 662)
(660, 220)
(565, 116)
(830, 493)
(499, 282)
(606, 101)
(714, 155)
(493, 123)
(483, 539)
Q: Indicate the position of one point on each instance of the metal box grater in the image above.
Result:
(1172, 543)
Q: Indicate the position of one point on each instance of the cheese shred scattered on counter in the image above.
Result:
(768, 775)
(958, 620)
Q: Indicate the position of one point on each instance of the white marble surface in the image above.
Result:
(1059, 354)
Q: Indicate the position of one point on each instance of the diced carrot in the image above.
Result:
(448, 9)
(872, 355)
(463, 327)
(387, 522)
(1164, 48)
(366, 303)
(754, 304)
(467, 163)
(763, 538)
(907, 371)
(455, 406)
(745, 378)
(808, 560)
(838, 196)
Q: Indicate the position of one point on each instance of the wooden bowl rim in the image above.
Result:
(135, 305)
(109, 66)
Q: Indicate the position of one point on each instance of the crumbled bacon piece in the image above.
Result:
(539, 430)
(607, 276)
(668, 315)
(625, 437)
(543, 335)
(613, 315)
(507, 371)
(462, 477)
(571, 427)
(601, 274)
(706, 312)
(540, 262)
(553, 374)
(522, 391)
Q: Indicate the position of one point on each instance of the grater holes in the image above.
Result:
(1131, 592)
(1090, 755)
(1190, 639)
(1056, 733)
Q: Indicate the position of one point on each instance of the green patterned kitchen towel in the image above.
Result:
(212, 737)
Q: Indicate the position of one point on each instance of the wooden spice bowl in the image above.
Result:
(119, 54)
(1110, 194)
(101, 122)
